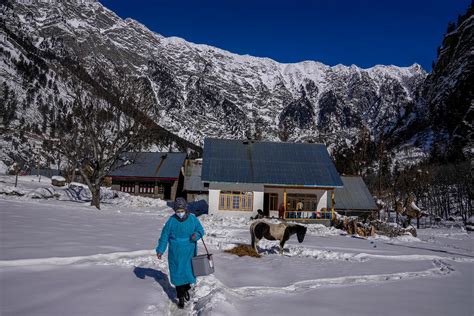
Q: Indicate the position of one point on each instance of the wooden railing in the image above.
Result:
(308, 215)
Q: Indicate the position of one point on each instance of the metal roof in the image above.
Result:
(354, 195)
(192, 176)
(237, 161)
(149, 165)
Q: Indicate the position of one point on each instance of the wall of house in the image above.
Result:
(323, 200)
(174, 189)
(213, 201)
(257, 203)
(116, 186)
(258, 199)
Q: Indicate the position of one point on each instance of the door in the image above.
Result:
(266, 203)
(167, 195)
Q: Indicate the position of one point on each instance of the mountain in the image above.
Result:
(205, 91)
(448, 91)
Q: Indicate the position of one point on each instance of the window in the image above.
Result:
(128, 187)
(146, 188)
(235, 201)
(161, 189)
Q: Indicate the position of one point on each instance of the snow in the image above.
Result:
(67, 257)
(3, 168)
(470, 220)
(58, 178)
(413, 206)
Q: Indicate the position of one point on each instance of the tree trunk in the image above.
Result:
(95, 197)
(73, 175)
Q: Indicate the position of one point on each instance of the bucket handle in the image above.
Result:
(202, 238)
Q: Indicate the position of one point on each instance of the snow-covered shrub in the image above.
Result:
(470, 224)
(44, 193)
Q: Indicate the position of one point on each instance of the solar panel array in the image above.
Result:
(237, 161)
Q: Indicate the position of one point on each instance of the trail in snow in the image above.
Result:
(440, 268)
(147, 258)
(211, 292)
(116, 258)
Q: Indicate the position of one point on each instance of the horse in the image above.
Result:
(282, 232)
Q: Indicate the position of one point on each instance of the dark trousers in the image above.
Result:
(181, 289)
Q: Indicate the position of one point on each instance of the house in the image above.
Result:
(193, 186)
(354, 199)
(245, 176)
(152, 174)
(44, 172)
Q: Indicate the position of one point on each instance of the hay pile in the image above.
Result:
(243, 250)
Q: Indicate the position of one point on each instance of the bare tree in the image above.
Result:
(94, 130)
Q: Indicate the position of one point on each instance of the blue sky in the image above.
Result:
(360, 32)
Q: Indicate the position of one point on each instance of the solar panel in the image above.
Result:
(268, 162)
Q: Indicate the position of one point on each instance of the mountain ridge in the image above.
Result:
(204, 91)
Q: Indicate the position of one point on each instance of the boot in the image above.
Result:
(186, 295)
(181, 302)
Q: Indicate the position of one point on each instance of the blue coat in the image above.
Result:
(181, 248)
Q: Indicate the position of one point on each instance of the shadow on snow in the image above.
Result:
(159, 277)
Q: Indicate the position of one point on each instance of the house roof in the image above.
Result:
(192, 176)
(237, 161)
(149, 165)
(354, 195)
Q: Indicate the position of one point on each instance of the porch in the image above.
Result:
(300, 204)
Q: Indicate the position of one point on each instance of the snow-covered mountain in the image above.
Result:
(202, 90)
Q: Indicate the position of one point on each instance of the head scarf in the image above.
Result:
(180, 203)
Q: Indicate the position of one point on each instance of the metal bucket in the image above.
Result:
(202, 265)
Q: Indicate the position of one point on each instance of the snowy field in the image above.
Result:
(59, 256)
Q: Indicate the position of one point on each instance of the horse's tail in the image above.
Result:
(252, 236)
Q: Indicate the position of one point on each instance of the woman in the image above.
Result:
(181, 231)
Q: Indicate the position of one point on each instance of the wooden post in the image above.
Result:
(284, 203)
(17, 169)
(332, 204)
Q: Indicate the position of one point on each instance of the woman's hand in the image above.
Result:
(193, 237)
(158, 255)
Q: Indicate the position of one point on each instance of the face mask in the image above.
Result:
(180, 214)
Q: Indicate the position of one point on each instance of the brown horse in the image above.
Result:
(282, 232)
